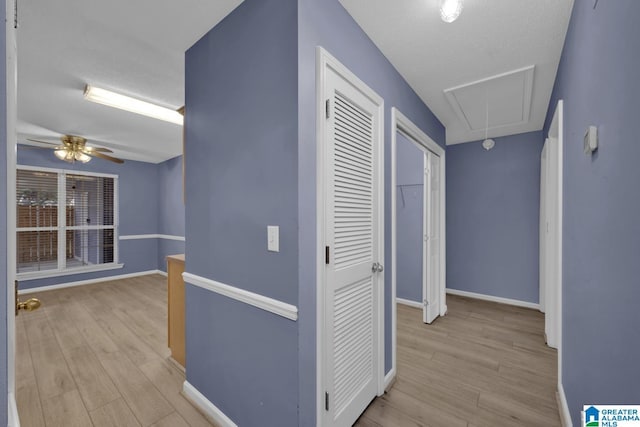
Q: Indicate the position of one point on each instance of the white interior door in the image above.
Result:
(556, 138)
(543, 227)
(550, 261)
(353, 250)
(432, 241)
(11, 116)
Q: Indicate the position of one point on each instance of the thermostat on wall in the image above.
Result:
(591, 140)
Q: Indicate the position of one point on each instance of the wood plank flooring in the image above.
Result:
(97, 356)
(483, 364)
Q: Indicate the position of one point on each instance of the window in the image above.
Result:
(66, 221)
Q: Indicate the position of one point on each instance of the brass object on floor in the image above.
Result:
(29, 305)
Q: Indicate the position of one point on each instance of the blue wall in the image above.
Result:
(409, 219)
(170, 209)
(138, 202)
(241, 175)
(493, 206)
(326, 23)
(3, 220)
(170, 200)
(251, 147)
(598, 81)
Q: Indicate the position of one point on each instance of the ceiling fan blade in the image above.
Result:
(105, 157)
(100, 149)
(44, 142)
(35, 147)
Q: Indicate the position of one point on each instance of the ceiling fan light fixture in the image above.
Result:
(450, 10)
(61, 154)
(123, 102)
(81, 157)
(71, 156)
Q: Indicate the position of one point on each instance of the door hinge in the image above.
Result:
(15, 283)
(327, 106)
(326, 255)
(326, 401)
(15, 14)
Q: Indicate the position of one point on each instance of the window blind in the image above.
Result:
(37, 216)
(89, 206)
(64, 220)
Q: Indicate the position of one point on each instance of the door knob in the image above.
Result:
(29, 305)
(377, 267)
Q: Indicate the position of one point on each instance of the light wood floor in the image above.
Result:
(483, 364)
(97, 356)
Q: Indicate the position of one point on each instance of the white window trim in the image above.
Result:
(66, 171)
(61, 270)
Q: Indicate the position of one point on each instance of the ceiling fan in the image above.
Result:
(74, 148)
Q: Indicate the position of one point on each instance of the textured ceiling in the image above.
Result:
(132, 47)
(137, 48)
(490, 38)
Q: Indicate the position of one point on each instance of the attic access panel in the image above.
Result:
(507, 96)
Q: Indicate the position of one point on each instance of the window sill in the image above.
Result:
(67, 272)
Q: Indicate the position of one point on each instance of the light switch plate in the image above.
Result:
(273, 238)
(591, 140)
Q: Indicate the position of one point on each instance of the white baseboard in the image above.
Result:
(389, 379)
(410, 303)
(13, 418)
(563, 407)
(88, 282)
(152, 236)
(162, 273)
(199, 401)
(491, 298)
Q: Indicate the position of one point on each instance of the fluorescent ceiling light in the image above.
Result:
(123, 102)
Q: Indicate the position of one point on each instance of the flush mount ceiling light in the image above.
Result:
(450, 10)
(123, 102)
(488, 144)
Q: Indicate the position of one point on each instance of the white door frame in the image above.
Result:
(12, 111)
(556, 132)
(325, 60)
(426, 222)
(542, 280)
(399, 122)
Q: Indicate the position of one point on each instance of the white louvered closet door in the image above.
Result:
(351, 215)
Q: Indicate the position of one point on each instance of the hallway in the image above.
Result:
(483, 364)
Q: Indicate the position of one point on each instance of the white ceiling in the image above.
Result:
(132, 47)
(490, 38)
(137, 48)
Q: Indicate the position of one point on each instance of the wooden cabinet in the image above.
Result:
(175, 289)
